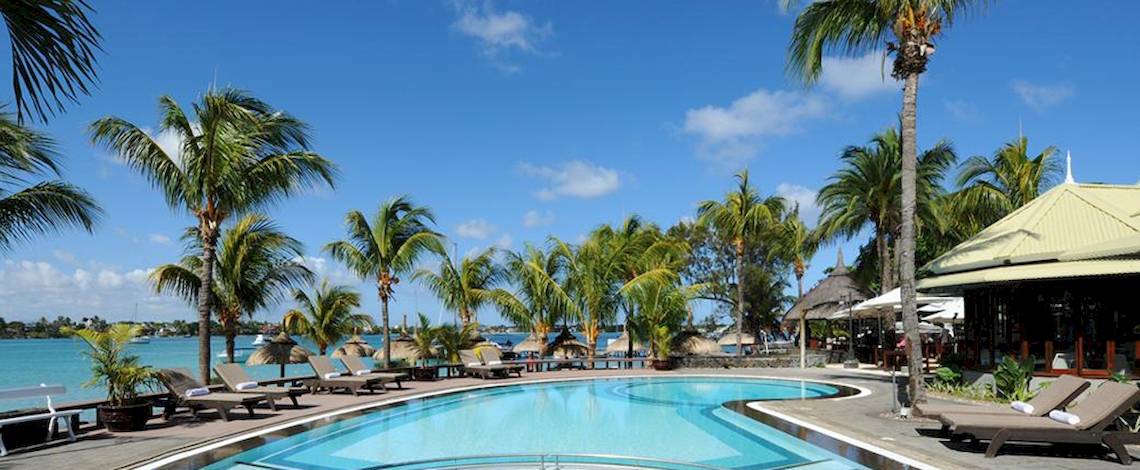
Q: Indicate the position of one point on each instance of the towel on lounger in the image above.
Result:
(1063, 417)
(362, 372)
(332, 375)
(495, 363)
(197, 392)
(1022, 407)
(246, 386)
(473, 364)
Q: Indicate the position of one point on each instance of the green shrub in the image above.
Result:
(1011, 379)
(947, 376)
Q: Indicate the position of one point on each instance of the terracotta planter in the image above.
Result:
(125, 418)
(424, 374)
(662, 364)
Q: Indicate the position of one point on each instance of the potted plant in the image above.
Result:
(423, 343)
(661, 339)
(119, 371)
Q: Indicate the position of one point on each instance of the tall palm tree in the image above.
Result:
(854, 27)
(44, 207)
(326, 316)
(465, 288)
(866, 191)
(257, 267)
(53, 53)
(539, 300)
(662, 310)
(798, 245)
(741, 216)
(386, 248)
(993, 187)
(237, 155)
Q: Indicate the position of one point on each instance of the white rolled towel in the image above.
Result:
(1063, 417)
(1022, 407)
(495, 363)
(473, 364)
(246, 386)
(332, 375)
(197, 392)
(362, 372)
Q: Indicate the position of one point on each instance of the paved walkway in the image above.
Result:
(865, 418)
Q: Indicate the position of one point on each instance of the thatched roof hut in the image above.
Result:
(281, 350)
(403, 349)
(566, 345)
(730, 339)
(621, 345)
(528, 345)
(829, 296)
(690, 342)
(355, 346)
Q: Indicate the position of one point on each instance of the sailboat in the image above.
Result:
(143, 339)
(259, 340)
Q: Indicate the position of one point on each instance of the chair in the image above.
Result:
(491, 356)
(238, 381)
(1096, 412)
(472, 366)
(54, 417)
(180, 382)
(358, 369)
(328, 376)
(1057, 395)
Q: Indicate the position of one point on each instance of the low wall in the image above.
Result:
(773, 359)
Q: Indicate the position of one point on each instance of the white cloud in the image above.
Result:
(500, 34)
(325, 270)
(160, 239)
(795, 194)
(32, 289)
(732, 135)
(477, 229)
(857, 77)
(534, 218)
(63, 256)
(576, 179)
(504, 242)
(1041, 96)
(962, 110)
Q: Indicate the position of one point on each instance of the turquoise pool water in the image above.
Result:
(655, 422)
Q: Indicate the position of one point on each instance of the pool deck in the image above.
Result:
(864, 418)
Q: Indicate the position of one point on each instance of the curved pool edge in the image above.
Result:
(193, 449)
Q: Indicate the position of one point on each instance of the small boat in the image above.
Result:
(140, 340)
(259, 340)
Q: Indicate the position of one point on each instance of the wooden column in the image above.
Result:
(1049, 356)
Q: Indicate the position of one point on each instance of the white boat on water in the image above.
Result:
(259, 340)
(140, 340)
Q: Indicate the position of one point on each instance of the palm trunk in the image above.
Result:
(803, 320)
(231, 333)
(205, 302)
(739, 299)
(387, 339)
(591, 344)
(917, 388)
(886, 274)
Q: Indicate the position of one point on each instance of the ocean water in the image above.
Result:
(30, 362)
(613, 421)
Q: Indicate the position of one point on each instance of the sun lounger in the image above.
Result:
(491, 356)
(1097, 412)
(472, 366)
(1056, 396)
(328, 376)
(189, 392)
(358, 369)
(238, 381)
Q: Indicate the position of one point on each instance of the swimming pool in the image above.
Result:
(667, 423)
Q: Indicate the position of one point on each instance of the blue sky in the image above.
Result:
(515, 120)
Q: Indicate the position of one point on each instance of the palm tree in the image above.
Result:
(325, 317)
(464, 288)
(798, 245)
(42, 208)
(452, 339)
(424, 339)
(539, 301)
(53, 53)
(994, 187)
(854, 27)
(239, 154)
(386, 248)
(741, 216)
(867, 192)
(257, 267)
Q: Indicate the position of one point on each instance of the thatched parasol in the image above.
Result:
(621, 345)
(281, 350)
(566, 345)
(831, 295)
(355, 346)
(730, 340)
(689, 342)
(403, 349)
(528, 345)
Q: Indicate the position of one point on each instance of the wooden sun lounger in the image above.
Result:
(1097, 413)
(178, 381)
(234, 374)
(354, 364)
(1054, 397)
(472, 366)
(325, 379)
(491, 355)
